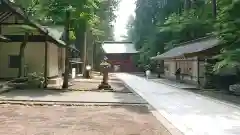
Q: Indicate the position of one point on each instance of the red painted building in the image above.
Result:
(120, 55)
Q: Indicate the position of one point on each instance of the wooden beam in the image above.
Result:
(31, 38)
(11, 23)
(5, 16)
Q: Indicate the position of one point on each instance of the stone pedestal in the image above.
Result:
(105, 69)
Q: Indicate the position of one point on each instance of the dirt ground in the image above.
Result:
(78, 120)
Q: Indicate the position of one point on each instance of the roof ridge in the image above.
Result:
(194, 40)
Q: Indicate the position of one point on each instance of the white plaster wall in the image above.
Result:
(171, 68)
(34, 58)
(53, 60)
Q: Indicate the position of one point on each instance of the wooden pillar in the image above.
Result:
(46, 63)
(78, 70)
(198, 72)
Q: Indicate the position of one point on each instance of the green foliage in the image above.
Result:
(98, 15)
(160, 24)
(144, 31)
(35, 80)
(186, 26)
(228, 31)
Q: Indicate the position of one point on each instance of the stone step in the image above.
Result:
(56, 81)
(2, 84)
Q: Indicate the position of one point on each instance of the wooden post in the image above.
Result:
(66, 73)
(46, 62)
(198, 72)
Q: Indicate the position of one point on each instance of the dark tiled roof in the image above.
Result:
(190, 47)
(52, 33)
(118, 47)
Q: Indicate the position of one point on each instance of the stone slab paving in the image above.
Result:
(191, 113)
(74, 96)
(175, 84)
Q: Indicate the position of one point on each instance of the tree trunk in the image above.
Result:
(80, 40)
(66, 73)
(94, 56)
(21, 55)
(214, 7)
(79, 45)
(187, 4)
(84, 53)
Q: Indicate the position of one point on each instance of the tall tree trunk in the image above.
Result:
(21, 55)
(187, 4)
(80, 39)
(209, 63)
(84, 53)
(214, 8)
(94, 56)
(66, 74)
(79, 46)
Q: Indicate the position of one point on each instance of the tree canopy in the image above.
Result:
(159, 25)
(98, 15)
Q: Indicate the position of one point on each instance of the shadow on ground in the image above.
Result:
(34, 93)
(221, 95)
(121, 95)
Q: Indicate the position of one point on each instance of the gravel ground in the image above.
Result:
(84, 120)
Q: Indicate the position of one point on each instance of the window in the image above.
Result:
(14, 61)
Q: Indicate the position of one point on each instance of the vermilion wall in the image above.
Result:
(124, 60)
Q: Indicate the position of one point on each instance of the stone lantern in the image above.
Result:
(105, 66)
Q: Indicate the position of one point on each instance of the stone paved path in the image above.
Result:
(191, 113)
(75, 96)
